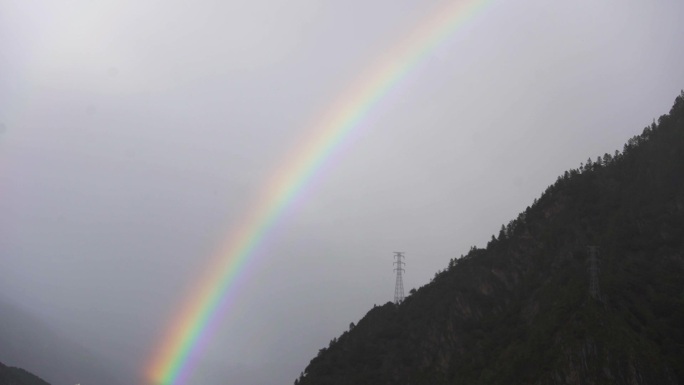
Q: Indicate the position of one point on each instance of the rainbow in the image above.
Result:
(198, 319)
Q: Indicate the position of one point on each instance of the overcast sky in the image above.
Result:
(134, 134)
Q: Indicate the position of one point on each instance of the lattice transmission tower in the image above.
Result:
(594, 288)
(399, 269)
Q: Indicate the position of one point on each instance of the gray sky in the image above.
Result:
(134, 134)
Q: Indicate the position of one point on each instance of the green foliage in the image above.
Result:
(519, 311)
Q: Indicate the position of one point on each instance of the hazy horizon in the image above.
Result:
(135, 135)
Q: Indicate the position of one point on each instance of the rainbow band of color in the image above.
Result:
(197, 320)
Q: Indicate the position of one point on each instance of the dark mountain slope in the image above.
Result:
(16, 376)
(29, 342)
(521, 310)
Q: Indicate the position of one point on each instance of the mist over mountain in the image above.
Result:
(29, 342)
(585, 286)
(137, 136)
(16, 376)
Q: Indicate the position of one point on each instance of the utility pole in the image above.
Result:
(399, 269)
(594, 289)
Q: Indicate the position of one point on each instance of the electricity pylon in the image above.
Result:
(594, 289)
(399, 285)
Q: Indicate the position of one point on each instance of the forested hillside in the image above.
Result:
(16, 376)
(585, 286)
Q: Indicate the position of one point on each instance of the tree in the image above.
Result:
(502, 233)
(510, 229)
(607, 158)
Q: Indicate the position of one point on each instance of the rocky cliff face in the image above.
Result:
(586, 286)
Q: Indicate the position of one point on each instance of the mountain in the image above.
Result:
(16, 376)
(586, 286)
(29, 342)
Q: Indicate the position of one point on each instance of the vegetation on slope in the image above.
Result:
(520, 310)
(15, 376)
